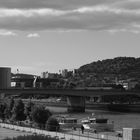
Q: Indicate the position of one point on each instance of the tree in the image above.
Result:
(40, 115)
(28, 108)
(18, 111)
(52, 124)
(2, 109)
(9, 107)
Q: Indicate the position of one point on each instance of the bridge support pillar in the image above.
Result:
(75, 104)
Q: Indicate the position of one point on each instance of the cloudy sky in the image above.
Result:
(48, 35)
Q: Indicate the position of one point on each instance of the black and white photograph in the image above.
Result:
(69, 69)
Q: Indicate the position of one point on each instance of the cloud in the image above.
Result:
(53, 4)
(127, 4)
(97, 15)
(7, 33)
(33, 35)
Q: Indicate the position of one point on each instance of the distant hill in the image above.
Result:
(129, 66)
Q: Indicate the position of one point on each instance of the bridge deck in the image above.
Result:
(66, 92)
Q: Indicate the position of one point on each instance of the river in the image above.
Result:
(121, 120)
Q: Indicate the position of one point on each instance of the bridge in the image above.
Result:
(75, 97)
(66, 92)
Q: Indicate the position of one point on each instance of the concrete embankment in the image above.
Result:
(73, 135)
(4, 133)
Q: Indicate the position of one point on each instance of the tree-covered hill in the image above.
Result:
(129, 66)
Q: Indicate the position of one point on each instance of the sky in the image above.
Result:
(51, 35)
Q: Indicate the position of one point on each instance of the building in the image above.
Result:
(49, 75)
(64, 73)
(32, 81)
(45, 74)
(128, 84)
(5, 77)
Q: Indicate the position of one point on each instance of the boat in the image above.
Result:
(67, 122)
(97, 124)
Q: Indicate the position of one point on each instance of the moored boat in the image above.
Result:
(97, 124)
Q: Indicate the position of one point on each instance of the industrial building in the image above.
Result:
(5, 77)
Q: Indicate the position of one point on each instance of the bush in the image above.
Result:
(52, 124)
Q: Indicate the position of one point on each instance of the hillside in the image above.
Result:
(129, 66)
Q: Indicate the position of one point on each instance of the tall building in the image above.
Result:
(5, 77)
(64, 73)
(45, 74)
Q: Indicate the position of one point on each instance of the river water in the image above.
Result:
(121, 120)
